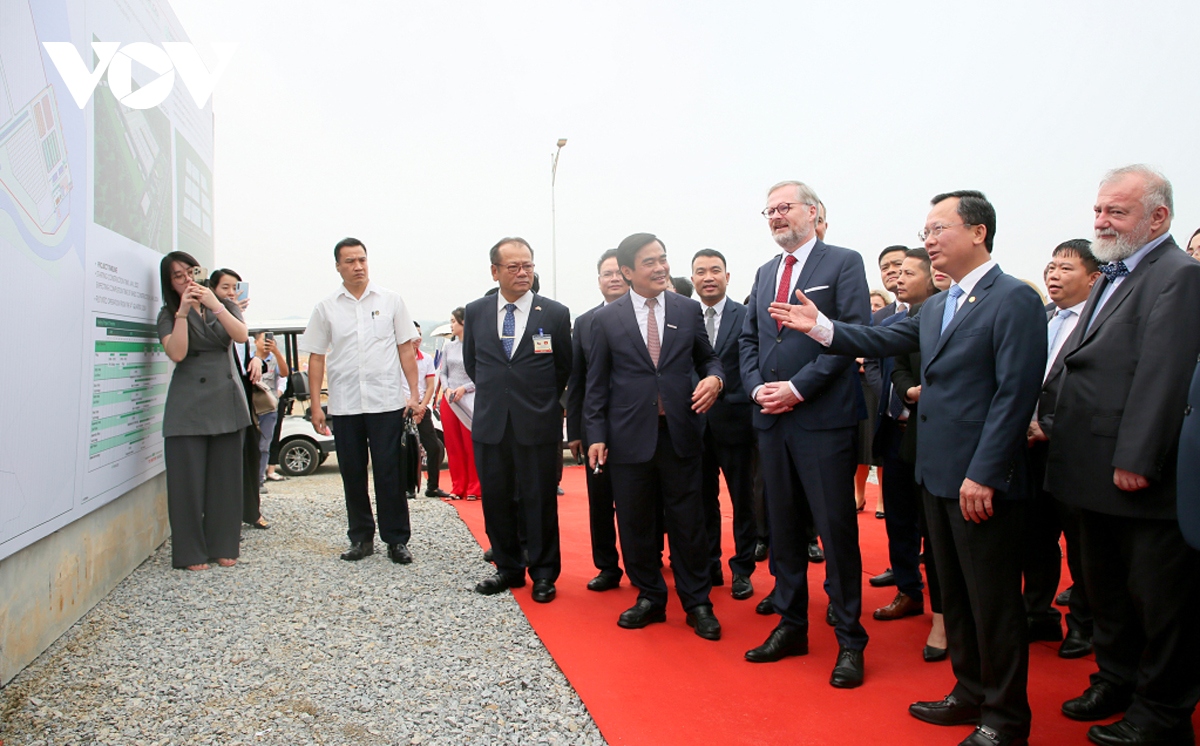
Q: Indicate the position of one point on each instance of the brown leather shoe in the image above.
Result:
(901, 606)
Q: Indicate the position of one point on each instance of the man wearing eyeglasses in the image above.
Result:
(517, 350)
(806, 420)
(983, 352)
(601, 513)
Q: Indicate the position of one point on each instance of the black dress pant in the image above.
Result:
(1142, 579)
(377, 434)
(602, 515)
(1042, 563)
(812, 472)
(204, 479)
(736, 463)
(1079, 609)
(979, 566)
(672, 482)
(251, 460)
(520, 505)
(433, 454)
(902, 517)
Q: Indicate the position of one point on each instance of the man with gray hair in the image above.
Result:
(1113, 455)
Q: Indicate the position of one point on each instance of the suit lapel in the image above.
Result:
(629, 320)
(976, 296)
(728, 324)
(810, 265)
(770, 287)
(531, 326)
(672, 315)
(1120, 294)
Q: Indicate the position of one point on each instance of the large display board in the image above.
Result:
(92, 194)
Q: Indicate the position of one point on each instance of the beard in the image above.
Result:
(792, 238)
(1111, 246)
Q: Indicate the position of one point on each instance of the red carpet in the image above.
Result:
(665, 685)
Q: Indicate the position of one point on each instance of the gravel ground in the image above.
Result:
(294, 646)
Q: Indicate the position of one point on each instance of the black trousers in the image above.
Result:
(520, 505)
(377, 434)
(1079, 609)
(433, 453)
(902, 517)
(814, 471)
(251, 460)
(1143, 579)
(638, 490)
(736, 462)
(602, 524)
(979, 566)
(1045, 520)
(204, 480)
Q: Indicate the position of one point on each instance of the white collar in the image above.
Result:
(640, 301)
(523, 303)
(972, 278)
(719, 306)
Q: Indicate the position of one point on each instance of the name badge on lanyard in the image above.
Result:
(541, 343)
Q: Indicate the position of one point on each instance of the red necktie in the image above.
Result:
(785, 284)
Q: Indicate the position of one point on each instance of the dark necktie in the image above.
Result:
(785, 284)
(510, 328)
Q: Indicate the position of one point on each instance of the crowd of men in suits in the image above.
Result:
(1003, 424)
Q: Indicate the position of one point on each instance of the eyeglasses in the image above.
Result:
(936, 230)
(513, 269)
(611, 274)
(781, 209)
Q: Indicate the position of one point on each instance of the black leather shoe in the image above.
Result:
(848, 671)
(436, 493)
(1125, 733)
(543, 591)
(948, 711)
(641, 614)
(742, 588)
(701, 618)
(1045, 630)
(783, 641)
(830, 617)
(934, 655)
(766, 607)
(399, 554)
(498, 584)
(1064, 598)
(487, 555)
(1098, 701)
(815, 554)
(760, 551)
(1075, 645)
(883, 579)
(605, 581)
(358, 550)
(985, 736)
(717, 577)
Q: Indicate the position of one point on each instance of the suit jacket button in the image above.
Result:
(203, 380)
(922, 418)
(1187, 410)
(779, 338)
(772, 371)
(229, 376)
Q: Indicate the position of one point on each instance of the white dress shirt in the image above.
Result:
(823, 331)
(641, 312)
(520, 316)
(1068, 325)
(359, 338)
(801, 253)
(719, 307)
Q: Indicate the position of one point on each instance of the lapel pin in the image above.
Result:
(971, 299)
(537, 308)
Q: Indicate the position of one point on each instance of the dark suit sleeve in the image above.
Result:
(563, 351)
(1166, 355)
(577, 382)
(904, 377)
(468, 342)
(877, 341)
(595, 400)
(748, 344)
(706, 361)
(853, 307)
(1019, 349)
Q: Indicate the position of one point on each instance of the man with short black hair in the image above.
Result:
(601, 512)
(363, 332)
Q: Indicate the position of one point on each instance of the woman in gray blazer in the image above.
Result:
(205, 417)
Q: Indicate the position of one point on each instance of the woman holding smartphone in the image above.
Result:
(205, 417)
(458, 405)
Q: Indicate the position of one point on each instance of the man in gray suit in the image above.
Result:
(1117, 420)
(983, 351)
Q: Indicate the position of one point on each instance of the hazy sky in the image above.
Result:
(426, 129)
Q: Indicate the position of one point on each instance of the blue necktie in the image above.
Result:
(510, 328)
(1055, 327)
(951, 305)
(1114, 270)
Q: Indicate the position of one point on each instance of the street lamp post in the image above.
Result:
(553, 227)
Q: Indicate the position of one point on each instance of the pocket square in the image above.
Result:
(816, 288)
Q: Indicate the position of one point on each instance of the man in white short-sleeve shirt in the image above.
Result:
(362, 333)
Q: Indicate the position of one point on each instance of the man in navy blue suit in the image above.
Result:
(807, 418)
(517, 350)
(983, 351)
(601, 514)
(642, 415)
(729, 428)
